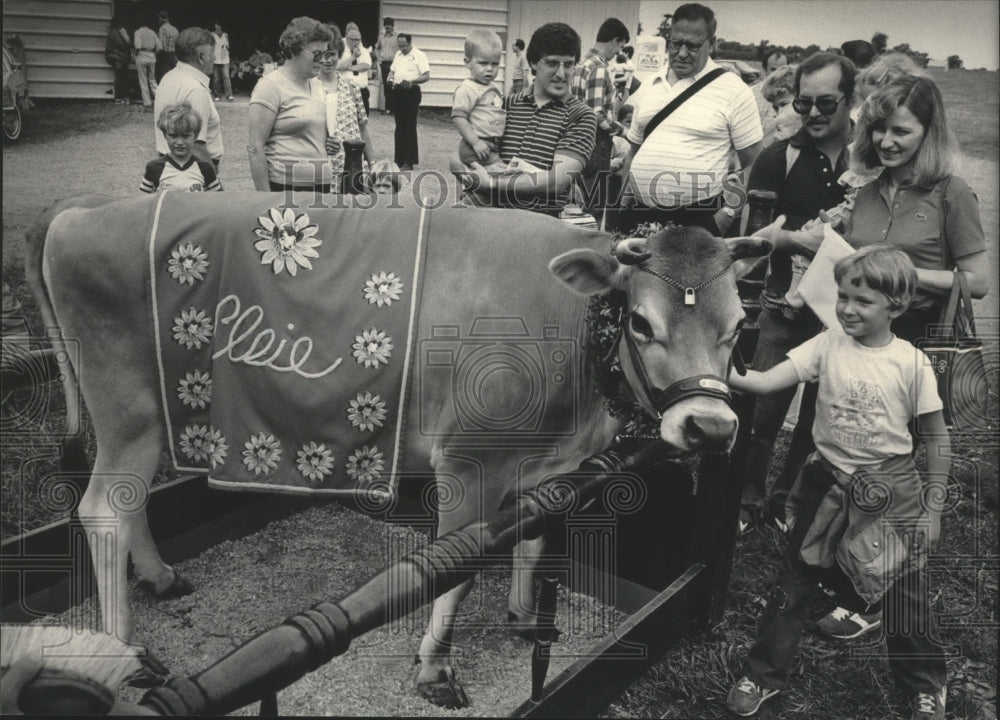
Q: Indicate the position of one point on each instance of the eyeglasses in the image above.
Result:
(826, 105)
(320, 54)
(675, 46)
(354, 39)
(556, 64)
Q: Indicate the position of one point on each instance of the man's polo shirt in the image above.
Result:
(536, 134)
(809, 186)
(686, 159)
(186, 82)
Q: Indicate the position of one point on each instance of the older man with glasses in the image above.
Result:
(679, 162)
(356, 62)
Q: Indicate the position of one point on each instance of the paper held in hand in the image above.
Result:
(818, 287)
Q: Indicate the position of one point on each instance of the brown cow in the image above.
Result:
(90, 264)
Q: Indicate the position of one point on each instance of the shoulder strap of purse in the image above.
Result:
(681, 99)
(943, 232)
(960, 300)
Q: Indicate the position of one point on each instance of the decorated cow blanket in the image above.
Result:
(282, 343)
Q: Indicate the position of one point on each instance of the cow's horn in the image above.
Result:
(631, 251)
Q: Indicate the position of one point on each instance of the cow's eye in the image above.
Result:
(640, 326)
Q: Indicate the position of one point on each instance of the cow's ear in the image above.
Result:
(745, 247)
(587, 272)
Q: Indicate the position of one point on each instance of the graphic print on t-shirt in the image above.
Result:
(856, 413)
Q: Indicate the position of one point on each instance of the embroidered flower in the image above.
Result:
(366, 411)
(216, 447)
(314, 461)
(365, 465)
(187, 263)
(261, 453)
(195, 390)
(192, 328)
(193, 442)
(372, 347)
(382, 289)
(286, 241)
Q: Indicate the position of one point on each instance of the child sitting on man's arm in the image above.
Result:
(861, 519)
(477, 108)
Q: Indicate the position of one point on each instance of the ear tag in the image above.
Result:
(689, 296)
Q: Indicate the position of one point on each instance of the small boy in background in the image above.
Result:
(179, 169)
(477, 109)
(864, 519)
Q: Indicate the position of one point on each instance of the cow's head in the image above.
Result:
(676, 349)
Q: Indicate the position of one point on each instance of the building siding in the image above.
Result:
(64, 46)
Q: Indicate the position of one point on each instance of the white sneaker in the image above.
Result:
(843, 624)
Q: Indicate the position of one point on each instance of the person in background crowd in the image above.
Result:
(409, 70)
(288, 134)
(220, 69)
(477, 108)
(886, 68)
(774, 60)
(386, 47)
(695, 143)
(179, 169)
(859, 52)
(356, 62)
(118, 53)
(549, 133)
(147, 44)
(521, 71)
(346, 115)
(188, 81)
(778, 89)
(166, 58)
(592, 84)
(803, 172)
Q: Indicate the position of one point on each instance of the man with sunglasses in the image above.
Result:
(678, 173)
(803, 172)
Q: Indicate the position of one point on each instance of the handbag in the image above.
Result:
(956, 356)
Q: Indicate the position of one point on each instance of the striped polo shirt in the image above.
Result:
(536, 134)
(686, 159)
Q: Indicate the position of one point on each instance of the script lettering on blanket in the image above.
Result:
(244, 324)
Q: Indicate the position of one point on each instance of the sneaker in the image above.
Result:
(216, 98)
(746, 697)
(846, 625)
(230, 98)
(929, 706)
(746, 522)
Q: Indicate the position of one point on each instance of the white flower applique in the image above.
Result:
(314, 461)
(192, 328)
(366, 411)
(261, 453)
(382, 289)
(365, 464)
(188, 262)
(372, 348)
(286, 241)
(194, 442)
(216, 448)
(195, 390)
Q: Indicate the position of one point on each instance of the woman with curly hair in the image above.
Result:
(287, 139)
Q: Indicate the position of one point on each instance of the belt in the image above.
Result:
(355, 72)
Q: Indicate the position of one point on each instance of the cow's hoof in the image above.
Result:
(178, 587)
(151, 673)
(446, 691)
(525, 627)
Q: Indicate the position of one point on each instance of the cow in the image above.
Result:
(88, 262)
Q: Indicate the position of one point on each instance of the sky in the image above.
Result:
(967, 28)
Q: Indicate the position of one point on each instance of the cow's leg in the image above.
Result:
(113, 514)
(436, 680)
(521, 601)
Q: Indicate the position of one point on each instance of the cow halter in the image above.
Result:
(711, 386)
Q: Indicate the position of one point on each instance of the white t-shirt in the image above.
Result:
(221, 48)
(866, 396)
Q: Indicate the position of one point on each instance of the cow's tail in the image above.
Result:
(73, 456)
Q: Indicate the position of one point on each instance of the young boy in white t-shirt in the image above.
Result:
(477, 108)
(862, 523)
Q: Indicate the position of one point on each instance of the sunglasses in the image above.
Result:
(319, 55)
(826, 105)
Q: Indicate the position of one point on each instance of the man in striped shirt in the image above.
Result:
(593, 85)
(549, 134)
(679, 172)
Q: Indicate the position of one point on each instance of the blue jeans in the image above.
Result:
(778, 335)
(915, 654)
